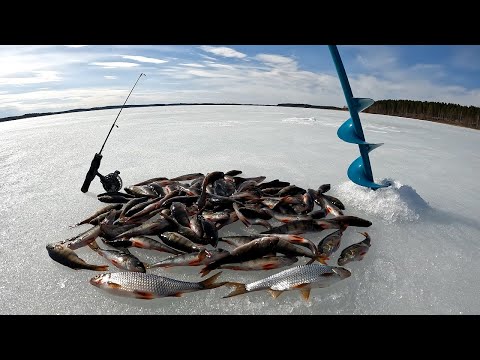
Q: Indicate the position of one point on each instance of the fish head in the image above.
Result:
(342, 272)
(50, 247)
(326, 247)
(137, 266)
(342, 260)
(100, 280)
(55, 247)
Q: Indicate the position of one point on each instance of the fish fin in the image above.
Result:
(194, 262)
(208, 253)
(296, 238)
(305, 293)
(205, 271)
(299, 286)
(203, 254)
(239, 289)
(143, 295)
(269, 266)
(275, 293)
(137, 244)
(93, 245)
(210, 282)
(101, 268)
(113, 285)
(178, 294)
(322, 259)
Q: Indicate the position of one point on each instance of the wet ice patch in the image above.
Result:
(226, 123)
(395, 203)
(297, 120)
(381, 129)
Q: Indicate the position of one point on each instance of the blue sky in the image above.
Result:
(60, 77)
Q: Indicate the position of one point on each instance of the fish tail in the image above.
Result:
(214, 241)
(264, 223)
(367, 238)
(100, 268)
(208, 268)
(210, 282)
(356, 221)
(239, 289)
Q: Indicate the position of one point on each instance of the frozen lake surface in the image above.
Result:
(425, 232)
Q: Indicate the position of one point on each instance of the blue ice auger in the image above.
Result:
(359, 171)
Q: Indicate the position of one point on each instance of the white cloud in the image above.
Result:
(274, 59)
(34, 77)
(279, 62)
(75, 46)
(223, 51)
(193, 65)
(114, 64)
(110, 77)
(208, 57)
(144, 59)
(413, 89)
(204, 73)
(222, 66)
(15, 61)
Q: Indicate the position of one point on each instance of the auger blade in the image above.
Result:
(347, 133)
(356, 173)
(371, 147)
(362, 103)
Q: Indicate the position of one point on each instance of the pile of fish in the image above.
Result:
(184, 217)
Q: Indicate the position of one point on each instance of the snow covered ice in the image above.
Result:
(425, 232)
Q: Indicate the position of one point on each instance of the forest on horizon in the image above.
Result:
(447, 113)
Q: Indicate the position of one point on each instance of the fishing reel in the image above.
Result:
(111, 182)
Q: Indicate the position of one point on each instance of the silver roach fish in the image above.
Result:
(303, 278)
(149, 286)
(355, 252)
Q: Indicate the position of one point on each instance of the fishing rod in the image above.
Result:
(111, 182)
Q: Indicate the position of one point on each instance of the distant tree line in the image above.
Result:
(454, 114)
(310, 106)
